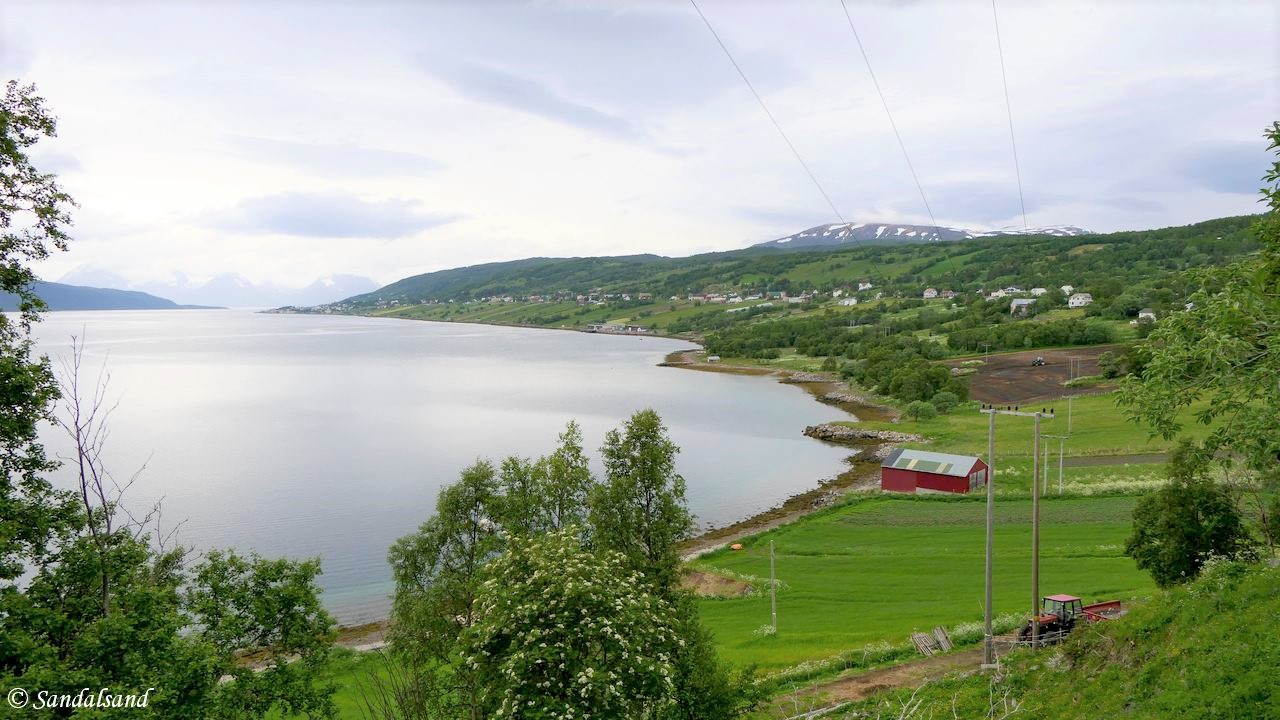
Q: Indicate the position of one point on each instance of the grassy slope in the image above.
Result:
(879, 568)
(1204, 651)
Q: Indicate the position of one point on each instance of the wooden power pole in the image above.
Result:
(988, 650)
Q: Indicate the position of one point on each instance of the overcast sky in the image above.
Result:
(292, 140)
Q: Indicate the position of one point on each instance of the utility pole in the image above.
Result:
(1061, 442)
(988, 649)
(1069, 398)
(773, 590)
(992, 411)
(1035, 539)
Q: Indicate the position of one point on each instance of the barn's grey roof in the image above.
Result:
(930, 462)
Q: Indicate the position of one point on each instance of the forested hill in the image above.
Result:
(1094, 261)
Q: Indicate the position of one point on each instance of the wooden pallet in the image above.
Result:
(925, 644)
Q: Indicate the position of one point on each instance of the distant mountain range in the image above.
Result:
(227, 289)
(890, 233)
(74, 297)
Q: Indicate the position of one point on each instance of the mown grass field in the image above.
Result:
(880, 568)
(1098, 427)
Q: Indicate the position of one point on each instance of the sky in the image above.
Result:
(289, 140)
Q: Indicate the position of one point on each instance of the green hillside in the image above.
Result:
(1103, 263)
(1206, 650)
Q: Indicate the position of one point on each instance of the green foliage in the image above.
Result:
(1020, 335)
(437, 573)
(34, 216)
(563, 632)
(639, 508)
(1179, 527)
(1224, 350)
(921, 410)
(1110, 365)
(945, 401)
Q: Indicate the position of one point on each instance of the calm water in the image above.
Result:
(330, 436)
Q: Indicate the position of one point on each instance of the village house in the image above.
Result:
(1080, 300)
(1037, 292)
(1146, 314)
(1067, 289)
(930, 293)
(947, 294)
(1021, 306)
(849, 301)
(864, 286)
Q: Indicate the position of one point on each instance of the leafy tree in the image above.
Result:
(1109, 364)
(1225, 350)
(520, 511)
(945, 401)
(437, 572)
(1180, 526)
(567, 481)
(921, 410)
(563, 632)
(34, 217)
(639, 509)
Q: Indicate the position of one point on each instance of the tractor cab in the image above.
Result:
(1062, 608)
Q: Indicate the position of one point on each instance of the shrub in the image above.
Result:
(945, 401)
(921, 410)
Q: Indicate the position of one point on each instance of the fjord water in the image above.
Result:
(307, 435)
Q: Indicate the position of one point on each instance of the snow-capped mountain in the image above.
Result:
(227, 289)
(885, 233)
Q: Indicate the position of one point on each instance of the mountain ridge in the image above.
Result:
(838, 234)
(62, 296)
(229, 289)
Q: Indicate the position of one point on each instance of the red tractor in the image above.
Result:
(1059, 615)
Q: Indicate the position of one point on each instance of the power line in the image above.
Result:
(1009, 111)
(901, 145)
(783, 133)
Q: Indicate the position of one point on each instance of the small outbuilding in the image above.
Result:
(920, 471)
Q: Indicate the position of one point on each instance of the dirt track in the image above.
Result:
(864, 685)
(1010, 378)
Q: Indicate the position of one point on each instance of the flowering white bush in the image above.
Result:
(563, 633)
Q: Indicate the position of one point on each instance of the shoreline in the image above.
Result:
(858, 476)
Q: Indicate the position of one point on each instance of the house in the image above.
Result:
(930, 293)
(996, 295)
(1037, 292)
(1147, 314)
(864, 286)
(1067, 289)
(849, 301)
(1079, 300)
(947, 294)
(920, 471)
(1021, 306)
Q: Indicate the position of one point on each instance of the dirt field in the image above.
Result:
(1010, 378)
(711, 585)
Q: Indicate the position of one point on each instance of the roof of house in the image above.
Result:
(1022, 301)
(930, 462)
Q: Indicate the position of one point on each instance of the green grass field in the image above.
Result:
(1097, 427)
(879, 568)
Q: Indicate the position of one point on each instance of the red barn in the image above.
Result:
(920, 471)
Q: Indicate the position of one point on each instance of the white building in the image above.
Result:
(1037, 292)
(1146, 314)
(1067, 289)
(930, 293)
(1080, 300)
(849, 301)
(865, 286)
